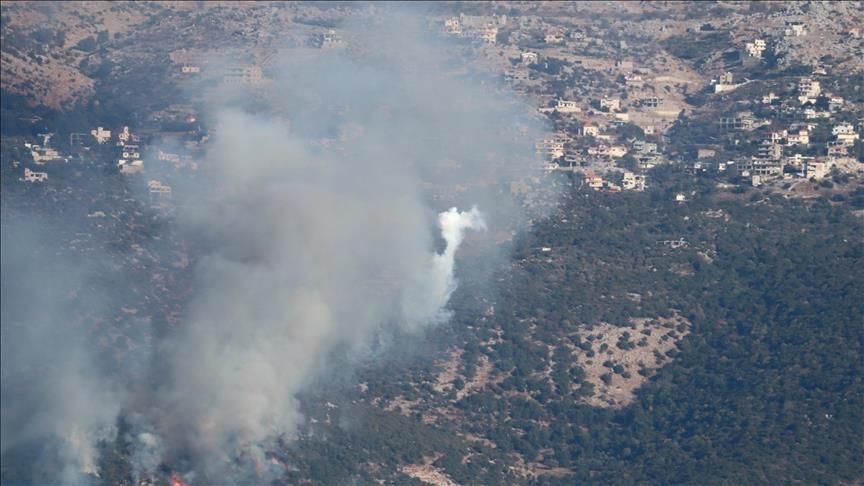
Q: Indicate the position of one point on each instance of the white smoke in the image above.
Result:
(307, 241)
(425, 302)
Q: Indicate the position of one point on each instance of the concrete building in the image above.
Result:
(800, 138)
(158, 189)
(624, 66)
(452, 26)
(590, 130)
(764, 168)
(130, 166)
(769, 98)
(31, 176)
(517, 75)
(594, 182)
(843, 129)
(650, 102)
(131, 152)
(330, 40)
(489, 35)
(553, 37)
(243, 75)
(101, 135)
(44, 154)
(634, 81)
(549, 148)
(564, 106)
(190, 69)
(704, 153)
(755, 48)
(770, 150)
(611, 104)
(837, 149)
(644, 147)
(795, 29)
(633, 182)
(809, 88)
(741, 121)
(529, 58)
(609, 151)
(125, 136)
(816, 169)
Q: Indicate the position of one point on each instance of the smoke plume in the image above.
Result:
(425, 302)
(312, 221)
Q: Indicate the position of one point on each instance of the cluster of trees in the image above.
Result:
(767, 385)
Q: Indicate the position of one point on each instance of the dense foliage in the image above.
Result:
(767, 387)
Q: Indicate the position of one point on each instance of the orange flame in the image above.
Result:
(176, 481)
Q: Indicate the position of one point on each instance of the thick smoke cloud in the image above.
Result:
(53, 387)
(315, 238)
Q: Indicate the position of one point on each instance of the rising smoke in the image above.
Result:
(312, 238)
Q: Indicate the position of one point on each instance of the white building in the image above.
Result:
(190, 69)
(843, 128)
(157, 188)
(610, 151)
(452, 26)
(809, 88)
(847, 139)
(131, 152)
(633, 182)
(590, 130)
(800, 138)
(550, 148)
(817, 169)
(327, 40)
(553, 38)
(125, 137)
(612, 104)
(724, 88)
(769, 98)
(44, 154)
(810, 113)
(101, 135)
(249, 74)
(529, 58)
(795, 29)
(130, 166)
(488, 35)
(30, 176)
(755, 48)
(564, 106)
(634, 81)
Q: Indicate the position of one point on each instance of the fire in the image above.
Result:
(176, 481)
(259, 468)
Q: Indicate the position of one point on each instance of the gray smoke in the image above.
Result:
(316, 237)
(53, 386)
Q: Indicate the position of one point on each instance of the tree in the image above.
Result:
(87, 44)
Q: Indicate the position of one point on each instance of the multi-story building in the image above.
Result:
(243, 75)
(755, 48)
